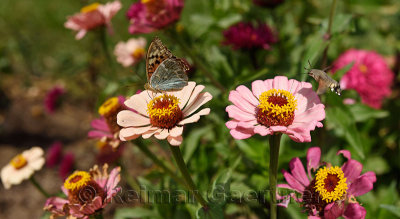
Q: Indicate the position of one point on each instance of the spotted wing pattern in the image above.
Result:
(169, 76)
(156, 54)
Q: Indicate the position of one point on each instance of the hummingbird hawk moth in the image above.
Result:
(324, 81)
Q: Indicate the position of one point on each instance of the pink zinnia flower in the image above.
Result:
(52, 99)
(131, 52)
(164, 115)
(87, 192)
(54, 154)
(92, 16)
(275, 105)
(370, 76)
(147, 16)
(66, 165)
(247, 36)
(331, 192)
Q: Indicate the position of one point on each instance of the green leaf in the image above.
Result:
(138, 212)
(192, 141)
(392, 208)
(363, 112)
(214, 211)
(315, 45)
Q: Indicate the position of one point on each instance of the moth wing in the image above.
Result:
(169, 76)
(156, 54)
(322, 86)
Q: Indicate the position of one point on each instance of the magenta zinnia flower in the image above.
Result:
(247, 36)
(331, 192)
(147, 16)
(52, 99)
(275, 105)
(54, 154)
(370, 76)
(66, 165)
(87, 192)
(92, 16)
(164, 115)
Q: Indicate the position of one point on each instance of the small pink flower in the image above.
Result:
(54, 154)
(92, 16)
(52, 98)
(131, 52)
(87, 192)
(147, 16)
(275, 105)
(66, 165)
(22, 167)
(247, 36)
(370, 76)
(164, 115)
(331, 193)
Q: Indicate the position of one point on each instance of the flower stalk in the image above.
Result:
(274, 143)
(39, 187)
(328, 34)
(176, 151)
(159, 163)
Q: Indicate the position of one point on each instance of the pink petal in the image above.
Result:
(293, 86)
(362, 184)
(345, 153)
(196, 92)
(236, 113)
(313, 159)
(150, 133)
(247, 95)
(298, 172)
(80, 34)
(231, 124)
(258, 87)
(100, 124)
(278, 128)
(192, 107)
(162, 135)
(354, 211)
(195, 117)
(262, 130)
(283, 200)
(241, 133)
(238, 100)
(176, 131)
(352, 170)
(175, 141)
(126, 134)
(128, 118)
(333, 210)
(296, 185)
(268, 84)
(138, 102)
(113, 179)
(247, 124)
(185, 94)
(55, 204)
(280, 82)
(99, 134)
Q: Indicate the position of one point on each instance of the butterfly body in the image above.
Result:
(324, 82)
(165, 72)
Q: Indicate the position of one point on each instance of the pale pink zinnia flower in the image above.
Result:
(331, 192)
(22, 167)
(164, 115)
(273, 106)
(92, 16)
(370, 75)
(131, 52)
(87, 192)
(147, 16)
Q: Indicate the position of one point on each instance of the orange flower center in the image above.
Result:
(276, 108)
(138, 53)
(154, 6)
(18, 161)
(90, 8)
(363, 68)
(164, 111)
(82, 188)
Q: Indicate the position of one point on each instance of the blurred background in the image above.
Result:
(40, 57)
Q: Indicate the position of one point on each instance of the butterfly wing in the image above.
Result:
(156, 54)
(169, 76)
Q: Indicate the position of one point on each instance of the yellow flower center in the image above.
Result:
(138, 53)
(101, 144)
(153, 6)
(276, 108)
(18, 161)
(109, 106)
(164, 111)
(330, 183)
(77, 180)
(109, 111)
(363, 68)
(90, 8)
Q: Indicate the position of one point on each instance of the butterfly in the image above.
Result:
(165, 72)
(324, 81)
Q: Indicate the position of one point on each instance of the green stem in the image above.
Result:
(159, 163)
(39, 187)
(199, 63)
(103, 39)
(328, 34)
(176, 151)
(274, 143)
